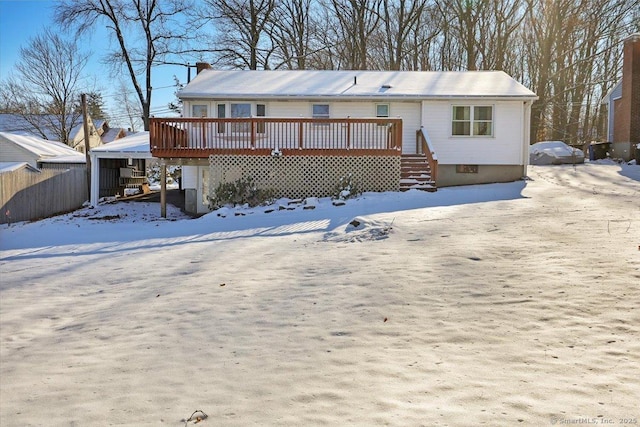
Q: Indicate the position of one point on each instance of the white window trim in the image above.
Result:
(320, 103)
(388, 110)
(193, 105)
(471, 121)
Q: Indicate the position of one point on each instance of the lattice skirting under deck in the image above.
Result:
(306, 176)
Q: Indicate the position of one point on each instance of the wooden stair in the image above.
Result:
(415, 173)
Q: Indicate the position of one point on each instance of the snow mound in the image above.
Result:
(360, 229)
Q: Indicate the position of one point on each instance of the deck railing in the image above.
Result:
(198, 138)
(424, 146)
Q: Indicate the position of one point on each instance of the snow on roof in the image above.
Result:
(136, 143)
(354, 84)
(45, 149)
(15, 123)
(110, 135)
(65, 159)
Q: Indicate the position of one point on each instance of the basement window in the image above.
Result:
(466, 168)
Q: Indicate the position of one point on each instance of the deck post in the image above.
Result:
(203, 142)
(253, 133)
(163, 189)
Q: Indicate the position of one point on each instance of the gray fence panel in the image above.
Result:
(27, 195)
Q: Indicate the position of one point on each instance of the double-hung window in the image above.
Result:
(472, 120)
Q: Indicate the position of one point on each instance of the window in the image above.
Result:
(261, 111)
(472, 120)
(240, 111)
(320, 111)
(198, 111)
(382, 110)
(222, 113)
(466, 168)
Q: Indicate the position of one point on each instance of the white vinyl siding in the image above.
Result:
(504, 147)
(288, 109)
(11, 152)
(409, 112)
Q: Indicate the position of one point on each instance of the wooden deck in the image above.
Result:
(267, 136)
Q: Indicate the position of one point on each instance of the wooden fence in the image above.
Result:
(26, 195)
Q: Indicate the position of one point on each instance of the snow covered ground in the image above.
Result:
(505, 304)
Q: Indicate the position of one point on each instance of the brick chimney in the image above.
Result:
(202, 66)
(627, 108)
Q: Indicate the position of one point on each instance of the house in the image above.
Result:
(39, 178)
(107, 133)
(46, 126)
(39, 153)
(298, 132)
(623, 103)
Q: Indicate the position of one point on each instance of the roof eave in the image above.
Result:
(274, 97)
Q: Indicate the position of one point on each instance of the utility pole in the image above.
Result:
(87, 147)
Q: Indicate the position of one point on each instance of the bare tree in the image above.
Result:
(242, 25)
(354, 22)
(566, 43)
(399, 20)
(147, 32)
(294, 32)
(131, 111)
(46, 87)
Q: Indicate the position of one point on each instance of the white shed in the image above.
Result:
(108, 161)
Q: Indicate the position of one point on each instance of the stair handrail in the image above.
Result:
(424, 146)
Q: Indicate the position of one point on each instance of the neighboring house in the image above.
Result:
(623, 103)
(107, 133)
(300, 132)
(39, 178)
(38, 153)
(45, 128)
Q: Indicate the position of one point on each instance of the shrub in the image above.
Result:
(346, 188)
(240, 192)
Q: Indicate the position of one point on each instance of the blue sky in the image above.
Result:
(21, 20)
